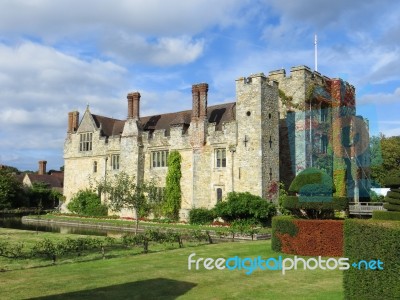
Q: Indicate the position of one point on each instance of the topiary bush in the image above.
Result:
(392, 182)
(312, 182)
(392, 199)
(87, 203)
(245, 206)
(321, 207)
(201, 216)
(372, 240)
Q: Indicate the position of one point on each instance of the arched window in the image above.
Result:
(95, 167)
(219, 195)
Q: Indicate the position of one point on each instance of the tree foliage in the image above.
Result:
(123, 192)
(385, 158)
(41, 194)
(11, 190)
(173, 195)
(245, 206)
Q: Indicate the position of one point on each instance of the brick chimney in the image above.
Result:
(199, 105)
(133, 105)
(73, 121)
(42, 167)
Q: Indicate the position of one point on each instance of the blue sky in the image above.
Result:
(59, 56)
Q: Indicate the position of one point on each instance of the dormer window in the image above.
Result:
(85, 143)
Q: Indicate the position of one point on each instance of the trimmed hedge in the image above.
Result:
(367, 240)
(201, 216)
(386, 215)
(307, 237)
(316, 206)
(281, 225)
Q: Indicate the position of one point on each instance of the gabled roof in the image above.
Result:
(51, 180)
(217, 114)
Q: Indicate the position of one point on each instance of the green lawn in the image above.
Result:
(165, 275)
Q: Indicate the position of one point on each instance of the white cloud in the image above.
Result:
(381, 98)
(48, 18)
(164, 51)
(39, 85)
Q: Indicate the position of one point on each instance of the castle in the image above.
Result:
(278, 126)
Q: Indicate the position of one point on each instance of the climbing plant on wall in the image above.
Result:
(287, 101)
(173, 186)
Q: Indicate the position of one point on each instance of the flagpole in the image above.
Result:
(316, 53)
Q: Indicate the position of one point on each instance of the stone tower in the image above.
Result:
(257, 151)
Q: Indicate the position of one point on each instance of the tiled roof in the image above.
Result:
(51, 180)
(217, 114)
(109, 126)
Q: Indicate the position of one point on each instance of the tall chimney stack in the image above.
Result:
(133, 105)
(73, 121)
(42, 167)
(203, 91)
(199, 105)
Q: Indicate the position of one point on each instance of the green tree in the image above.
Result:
(12, 194)
(173, 193)
(385, 157)
(40, 195)
(123, 191)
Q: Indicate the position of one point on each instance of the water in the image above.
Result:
(14, 222)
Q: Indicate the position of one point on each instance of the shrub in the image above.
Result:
(320, 207)
(282, 196)
(307, 237)
(87, 203)
(386, 215)
(201, 216)
(367, 240)
(245, 206)
(312, 181)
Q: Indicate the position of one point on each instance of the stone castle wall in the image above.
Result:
(251, 141)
